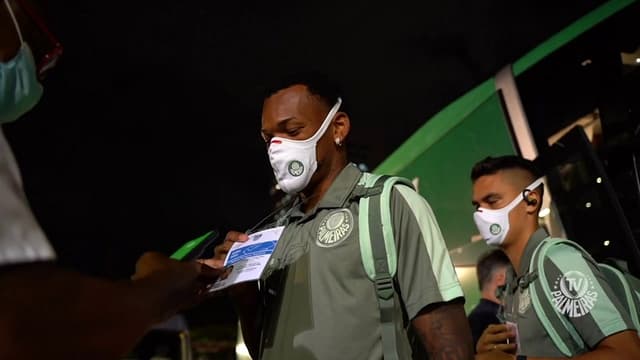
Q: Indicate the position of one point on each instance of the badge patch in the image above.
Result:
(295, 168)
(524, 301)
(334, 228)
(495, 229)
(574, 294)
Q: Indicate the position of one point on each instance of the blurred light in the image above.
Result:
(416, 184)
(587, 205)
(242, 353)
(586, 62)
(465, 272)
(599, 180)
(638, 60)
(476, 237)
(544, 212)
(607, 242)
(456, 251)
(363, 167)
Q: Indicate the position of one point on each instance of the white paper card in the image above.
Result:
(248, 259)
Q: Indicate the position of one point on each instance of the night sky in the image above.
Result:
(148, 132)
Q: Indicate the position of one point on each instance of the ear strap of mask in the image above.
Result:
(15, 21)
(534, 185)
(327, 121)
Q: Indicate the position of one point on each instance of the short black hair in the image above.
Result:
(492, 165)
(318, 84)
(488, 263)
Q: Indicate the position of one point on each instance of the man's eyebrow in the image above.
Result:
(279, 123)
(486, 198)
(489, 196)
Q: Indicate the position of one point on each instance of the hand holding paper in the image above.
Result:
(248, 259)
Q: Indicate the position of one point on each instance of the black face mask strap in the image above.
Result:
(292, 203)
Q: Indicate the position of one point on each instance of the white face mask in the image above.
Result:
(294, 161)
(494, 224)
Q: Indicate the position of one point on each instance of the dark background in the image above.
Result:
(148, 132)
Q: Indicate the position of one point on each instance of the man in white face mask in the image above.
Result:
(507, 194)
(320, 303)
(50, 312)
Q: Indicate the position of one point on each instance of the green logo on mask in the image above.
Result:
(296, 168)
(495, 229)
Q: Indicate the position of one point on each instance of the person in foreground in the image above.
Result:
(318, 301)
(47, 311)
(507, 195)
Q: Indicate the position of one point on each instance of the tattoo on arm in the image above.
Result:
(444, 331)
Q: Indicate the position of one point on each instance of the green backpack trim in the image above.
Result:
(376, 209)
(626, 289)
(560, 330)
(378, 248)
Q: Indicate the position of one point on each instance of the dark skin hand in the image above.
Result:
(54, 313)
(444, 331)
(623, 345)
(495, 337)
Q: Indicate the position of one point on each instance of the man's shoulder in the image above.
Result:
(483, 308)
(406, 196)
(564, 250)
(476, 312)
(371, 177)
(401, 186)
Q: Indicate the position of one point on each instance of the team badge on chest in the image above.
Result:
(334, 228)
(524, 301)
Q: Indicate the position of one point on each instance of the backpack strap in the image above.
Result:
(378, 250)
(560, 330)
(625, 286)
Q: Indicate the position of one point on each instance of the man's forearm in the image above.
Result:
(53, 313)
(444, 331)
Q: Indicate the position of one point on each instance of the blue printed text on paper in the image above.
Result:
(264, 248)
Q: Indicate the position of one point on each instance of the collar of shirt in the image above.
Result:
(338, 194)
(513, 279)
(532, 244)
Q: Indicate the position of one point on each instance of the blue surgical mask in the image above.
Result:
(20, 89)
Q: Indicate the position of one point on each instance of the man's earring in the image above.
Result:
(338, 142)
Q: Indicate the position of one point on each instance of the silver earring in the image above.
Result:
(338, 142)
